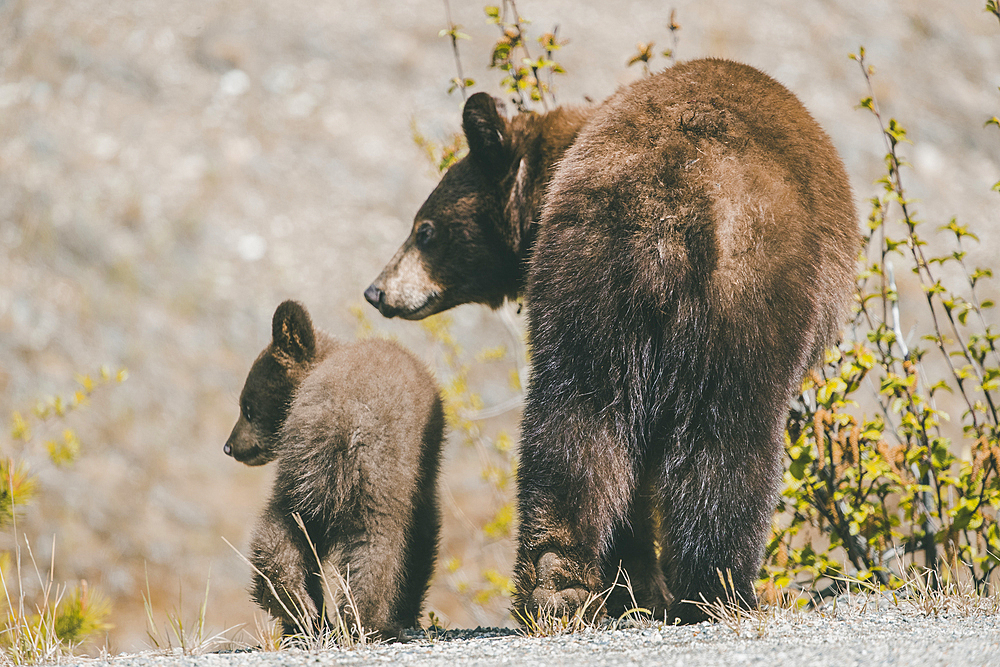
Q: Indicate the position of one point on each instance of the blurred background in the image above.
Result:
(169, 172)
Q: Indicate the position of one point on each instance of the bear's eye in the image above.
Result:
(425, 232)
(246, 412)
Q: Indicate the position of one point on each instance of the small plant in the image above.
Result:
(267, 633)
(435, 627)
(24, 448)
(178, 636)
(59, 621)
(738, 615)
(52, 620)
(526, 78)
(644, 50)
(441, 156)
(460, 82)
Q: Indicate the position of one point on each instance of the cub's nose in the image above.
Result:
(374, 295)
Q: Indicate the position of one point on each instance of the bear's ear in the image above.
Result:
(292, 331)
(486, 132)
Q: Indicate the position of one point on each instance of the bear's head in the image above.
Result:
(466, 240)
(271, 384)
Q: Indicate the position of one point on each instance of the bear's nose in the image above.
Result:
(374, 295)
(227, 449)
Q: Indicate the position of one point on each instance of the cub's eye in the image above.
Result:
(245, 409)
(425, 232)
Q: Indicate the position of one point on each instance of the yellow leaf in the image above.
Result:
(832, 355)
(500, 526)
(503, 442)
(19, 429)
(514, 380)
(492, 353)
(86, 382)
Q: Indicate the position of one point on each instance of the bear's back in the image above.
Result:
(358, 428)
(709, 182)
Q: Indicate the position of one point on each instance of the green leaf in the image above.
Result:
(834, 386)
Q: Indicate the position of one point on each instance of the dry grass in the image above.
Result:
(952, 596)
(740, 616)
(31, 638)
(923, 591)
(43, 625)
(343, 627)
(266, 635)
(547, 622)
(179, 636)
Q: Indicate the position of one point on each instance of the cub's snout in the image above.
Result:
(244, 445)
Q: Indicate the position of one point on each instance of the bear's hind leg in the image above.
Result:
(632, 561)
(373, 564)
(421, 555)
(575, 483)
(718, 500)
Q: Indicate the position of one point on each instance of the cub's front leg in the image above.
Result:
(286, 584)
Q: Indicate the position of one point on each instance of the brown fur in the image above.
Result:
(358, 448)
(690, 252)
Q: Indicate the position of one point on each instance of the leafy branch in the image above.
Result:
(889, 488)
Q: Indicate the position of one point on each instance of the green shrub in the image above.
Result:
(878, 468)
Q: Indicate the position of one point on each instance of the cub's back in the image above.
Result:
(368, 415)
(375, 382)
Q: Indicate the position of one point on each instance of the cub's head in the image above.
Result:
(267, 393)
(465, 242)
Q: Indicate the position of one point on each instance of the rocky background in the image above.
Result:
(171, 171)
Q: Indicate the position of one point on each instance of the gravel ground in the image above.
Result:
(854, 633)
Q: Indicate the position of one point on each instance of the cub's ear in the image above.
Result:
(486, 132)
(292, 331)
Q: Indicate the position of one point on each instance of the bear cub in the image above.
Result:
(357, 431)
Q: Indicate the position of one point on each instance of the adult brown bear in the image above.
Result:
(686, 250)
